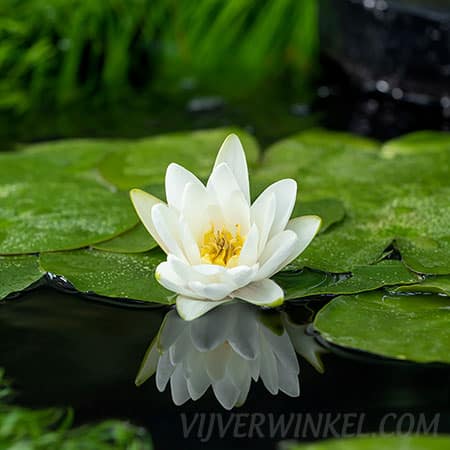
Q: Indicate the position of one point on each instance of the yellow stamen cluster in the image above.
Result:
(221, 247)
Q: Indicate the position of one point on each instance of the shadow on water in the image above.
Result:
(61, 349)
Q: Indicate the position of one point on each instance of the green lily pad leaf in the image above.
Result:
(330, 210)
(426, 255)
(363, 278)
(396, 197)
(115, 275)
(418, 142)
(17, 273)
(136, 240)
(376, 443)
(48, 216)
(147, 160)
(434, 285)
(407, 327)
(55, 160)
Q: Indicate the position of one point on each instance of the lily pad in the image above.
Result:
(55, 160)
(414, 327)
(418, 142)
(136, 240)
(434, 285)
(363, 278)
(330, 210)
(147, 160)
(387, 196)
(17, 273)
(115, 275)
(376, 443)
(426, 255)
(38, 216)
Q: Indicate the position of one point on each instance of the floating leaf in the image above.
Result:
(330, 210)
(136, 240)
(418, 142)
(116, 275)
(363, 278)
(55, 160)
(387, 195)
(37, 216)
(434, 285)
(426, 255)
(147, 160)
(376, 443)
(17, 273)
(408, 327)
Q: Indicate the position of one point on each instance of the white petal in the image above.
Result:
(216, 362)
(177, 177)
(236, 212)
(288, 381)
(277, 250)
(262, 215)
(210, 331)
(226, 392)
(189, 244)
(149, 364)
(269, 369)
(181, 348)
(178, 386)
(244, 338)
(195, 210)
(306, 228)
(285, 192)
(198, 381)
(211, 291)
(222, 182)
(232, 153)
(283, 349)
(164, 371)
(171, 329)
(166, 224)
(143, 203)
(241, 275)
(226, 194)
(171, 280)
(190, 309)
(249, 252)
(262, 293)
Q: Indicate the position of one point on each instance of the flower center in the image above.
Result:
(221, 247)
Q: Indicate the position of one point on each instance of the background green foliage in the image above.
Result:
(61, 51)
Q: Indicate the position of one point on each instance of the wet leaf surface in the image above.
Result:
(433, 284)
(136, 240)
(363, 278)
(146, 161)
(49, 215)
(330, 210)
(17, 273)
(414, 327)
(388, 195)
(115, 275)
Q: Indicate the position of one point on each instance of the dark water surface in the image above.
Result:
(62, 349)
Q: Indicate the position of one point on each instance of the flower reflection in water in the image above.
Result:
(227, 349)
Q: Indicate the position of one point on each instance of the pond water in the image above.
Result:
(63, 349)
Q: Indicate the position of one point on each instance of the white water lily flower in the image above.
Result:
(219, 246)
(225, 350)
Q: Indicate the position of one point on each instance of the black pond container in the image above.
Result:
(396, 47)
(388, 62)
